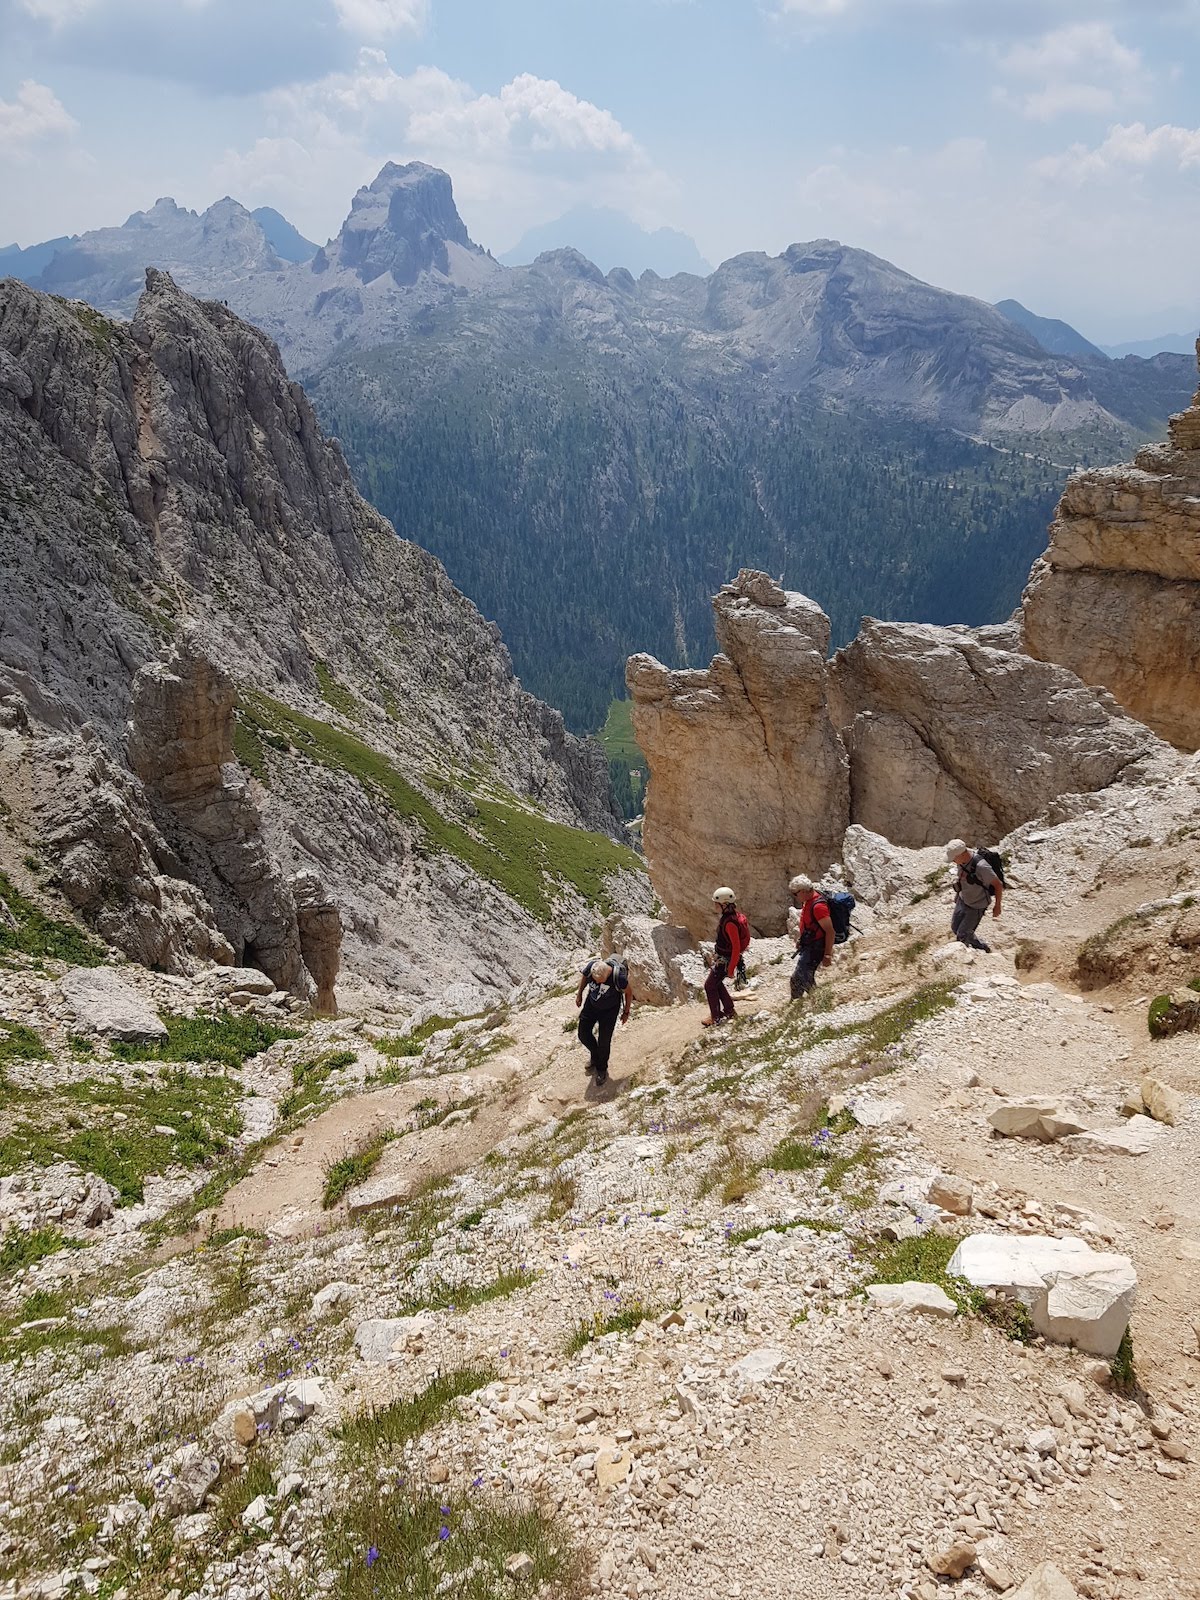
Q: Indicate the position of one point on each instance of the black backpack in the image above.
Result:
(993, 859)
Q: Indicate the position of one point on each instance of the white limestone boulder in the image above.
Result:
(104, 1003)
(651, 950)
(906, 1297)
(1075, 1295)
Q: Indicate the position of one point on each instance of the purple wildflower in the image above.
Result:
(372, 1556)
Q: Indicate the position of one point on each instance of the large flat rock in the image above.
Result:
(104, 1003)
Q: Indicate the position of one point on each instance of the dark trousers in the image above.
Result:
(804, 973)
(720, 1001)
(965, 922)
(595, 1034)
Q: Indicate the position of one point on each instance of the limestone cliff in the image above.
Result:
(1116, 597)
(916, 733)
(165, 478)
(748, 777)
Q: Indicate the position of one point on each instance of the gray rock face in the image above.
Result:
(167, 475)
(104, 1003)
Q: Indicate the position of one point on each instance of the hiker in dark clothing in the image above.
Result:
(814, 935)
(730, 943)
(608, 996)
(977, 884)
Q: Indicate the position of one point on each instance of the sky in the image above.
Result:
(1047, 150)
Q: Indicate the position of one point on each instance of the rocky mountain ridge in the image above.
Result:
(165, 482)
(822, 318)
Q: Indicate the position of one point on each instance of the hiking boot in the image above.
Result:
(602, 1078)
(986, 948)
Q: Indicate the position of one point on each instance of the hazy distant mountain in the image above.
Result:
(1059, 338)
(28, 264)
(209, 252)
(1167, 344)
(288, 243)
(611, 239)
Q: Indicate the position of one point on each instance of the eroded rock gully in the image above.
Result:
(166, 475)
(1116, 597)
(917, 733)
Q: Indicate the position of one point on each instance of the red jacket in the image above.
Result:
(812, 911)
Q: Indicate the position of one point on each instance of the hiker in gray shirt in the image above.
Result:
(977, 884)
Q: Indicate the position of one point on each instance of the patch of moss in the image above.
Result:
(523, 853)
(99, 329)
(1160, 1009)
(248, 747)
(37, 934)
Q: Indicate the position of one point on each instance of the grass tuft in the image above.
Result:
(223, 1037)
(394, 1425)
(20, 1248)
(348, 1171)
(623, 1320)
(36, 934)
(441, 1295)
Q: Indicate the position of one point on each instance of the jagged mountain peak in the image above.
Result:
(401, 223)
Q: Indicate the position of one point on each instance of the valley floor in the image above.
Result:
(639, 1310)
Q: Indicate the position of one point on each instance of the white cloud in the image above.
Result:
(36, 114)
(514, 154)
(1128, 148)
(1083, 69)
(376, 19)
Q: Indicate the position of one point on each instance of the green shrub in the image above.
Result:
(1122, 1368)
(1160, 1010)
(21, 1248)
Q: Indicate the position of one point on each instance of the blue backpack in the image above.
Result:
(841, 905)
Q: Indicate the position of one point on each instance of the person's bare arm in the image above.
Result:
(826, 926)
(628, 1003)
(999, 898)
(579, 991)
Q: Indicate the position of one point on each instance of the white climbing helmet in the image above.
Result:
(723, 897)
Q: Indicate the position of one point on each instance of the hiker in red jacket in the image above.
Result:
(814, 934)
(731, 942)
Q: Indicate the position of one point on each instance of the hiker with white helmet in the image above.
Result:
(608, 996)
(978, 883)
(814, 934)
(732, 941)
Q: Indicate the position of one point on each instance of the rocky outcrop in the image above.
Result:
(914, 733)
(1116, 597)
(949, 736)
(749, 781)
(181, 747)
(165, 475)
(655, 954)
